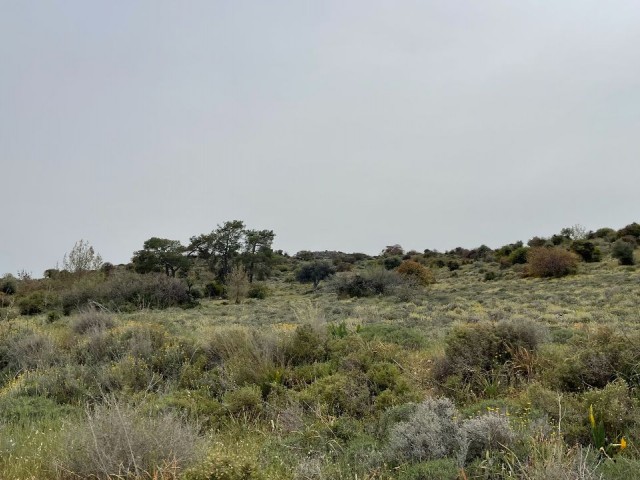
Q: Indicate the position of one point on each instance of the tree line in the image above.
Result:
(228, 246)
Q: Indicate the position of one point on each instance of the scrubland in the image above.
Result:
(476, 372)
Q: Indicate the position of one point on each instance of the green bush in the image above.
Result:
(225, 467)
(340, 394)
(587, 250)
(518, 256)
(246, 401)
(259, 291)
(306, 346)
(474, 351)
(8, 284)
(371, 282)
(441, 469)
(391, 263)
(623, 251)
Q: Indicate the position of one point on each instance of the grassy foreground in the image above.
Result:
(467, 378)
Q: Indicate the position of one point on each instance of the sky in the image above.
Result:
(339, 125)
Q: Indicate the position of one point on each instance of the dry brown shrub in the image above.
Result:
(551, 262)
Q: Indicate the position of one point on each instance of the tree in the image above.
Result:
(161, 254)
(257, 252)
(220, 248)
(81, 258)
(315, 272)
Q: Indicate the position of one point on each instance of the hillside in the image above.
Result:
(407, 365)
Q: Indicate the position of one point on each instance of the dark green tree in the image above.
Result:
(258, 255)
(221, 248)
(161, 255)
(315, 272)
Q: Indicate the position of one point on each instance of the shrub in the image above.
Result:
(485, 433)
(306, 346)
(431, 432)
(214, 289)
(92, 320)
(245, 401)
(117, 439)
(225, 467)
(518, 256)
(8, 284)
(259, 291)
(452, 265)
(315, 272)
(32, 304)
(623, 251)
(587, 250)
(416, 272)
(488, 276)
(391, 263)
(473, 351)
(551, 262)
(32, 350)
(340, 394)
(441, 469)
(374, 281)
(633, 230)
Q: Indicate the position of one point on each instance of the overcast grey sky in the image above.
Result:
(346, 125)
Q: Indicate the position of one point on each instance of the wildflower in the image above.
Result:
(623, 443)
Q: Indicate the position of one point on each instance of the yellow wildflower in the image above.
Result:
(623, 443)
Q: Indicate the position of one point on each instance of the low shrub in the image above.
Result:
(259, 291)
(225, 467)
(117, 439)
(92, 320)
(551, 262)
(473, 352)
(416, 272)
(37, 302)
(128, 290)
(306, 346)
(371, 282)
(431, 432)
(486, 433)
(245, 401)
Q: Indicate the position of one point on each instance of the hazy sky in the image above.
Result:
(346, 125)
